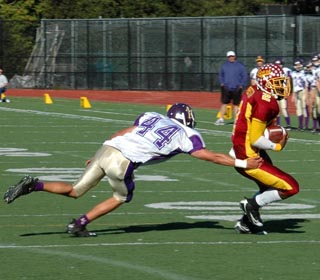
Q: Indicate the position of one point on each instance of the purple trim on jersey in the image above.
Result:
(197, 143)
(128, 180)
(136, 122)
(164, 157)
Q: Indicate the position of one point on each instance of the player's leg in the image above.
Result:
(317, 107)
(236, 98)
(119, 171)
(312, 108)
(281, 186)
(225, 100)
(284, 112)
(77, 227)
(299, 109)
(2, 90)
(304, 107)
(57, 188)
(90, 177)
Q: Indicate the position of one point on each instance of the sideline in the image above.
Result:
(197, 99)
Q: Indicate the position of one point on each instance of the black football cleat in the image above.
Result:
(78, 230)
(251, 211)
(244, 226)
(25, 186)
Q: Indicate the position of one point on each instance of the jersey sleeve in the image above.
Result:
(197, 143)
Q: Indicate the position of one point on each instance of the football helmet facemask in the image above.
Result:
(271, 79)
(182, 113)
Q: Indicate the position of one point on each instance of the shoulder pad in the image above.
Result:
(250, 91)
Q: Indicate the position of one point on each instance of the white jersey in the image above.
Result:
(156, 137)
(310, 78)
(287, 71)
(299, 80)
(3, 81)
(315, 73)
(253, 73)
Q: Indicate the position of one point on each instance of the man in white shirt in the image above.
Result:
(3, 87)
(315, 96)
(152, 138)
(299, 96)
(254, 71)
(283, 103)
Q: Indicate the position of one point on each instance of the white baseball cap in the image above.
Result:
(231, 53)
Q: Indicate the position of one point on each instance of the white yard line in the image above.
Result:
(177, 243)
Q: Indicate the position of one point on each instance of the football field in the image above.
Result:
(180, 222)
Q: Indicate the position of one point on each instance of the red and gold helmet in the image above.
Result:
(271, 79)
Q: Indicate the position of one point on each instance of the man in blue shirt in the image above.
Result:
(232, 78)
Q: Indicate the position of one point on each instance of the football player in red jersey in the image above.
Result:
(259, 108)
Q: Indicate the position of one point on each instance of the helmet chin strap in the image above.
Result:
(276, 96)
(262, 89)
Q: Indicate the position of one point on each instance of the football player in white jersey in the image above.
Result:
(315, 97)
(253, 72)
(3, 87)
(283, 103)
(299, 96)
(152, 139)
(310, 72)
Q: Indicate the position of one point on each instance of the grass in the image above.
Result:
(146, 239)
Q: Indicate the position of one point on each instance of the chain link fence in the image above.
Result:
(150, 54)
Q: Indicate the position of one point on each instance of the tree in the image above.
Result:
(17, 37)
(56, 9)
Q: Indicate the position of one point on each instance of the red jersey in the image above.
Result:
(258, 105)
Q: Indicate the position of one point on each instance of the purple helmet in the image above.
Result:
(182, 113)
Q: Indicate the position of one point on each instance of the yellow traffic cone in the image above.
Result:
(47, 99)
(84, 102)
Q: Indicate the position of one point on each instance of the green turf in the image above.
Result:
(144, 239)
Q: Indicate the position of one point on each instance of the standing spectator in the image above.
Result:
(299, 97)
(253, 72)
(3, 87)
(232, 79)
(283, 103)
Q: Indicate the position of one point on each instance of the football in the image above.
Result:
(275, 133)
